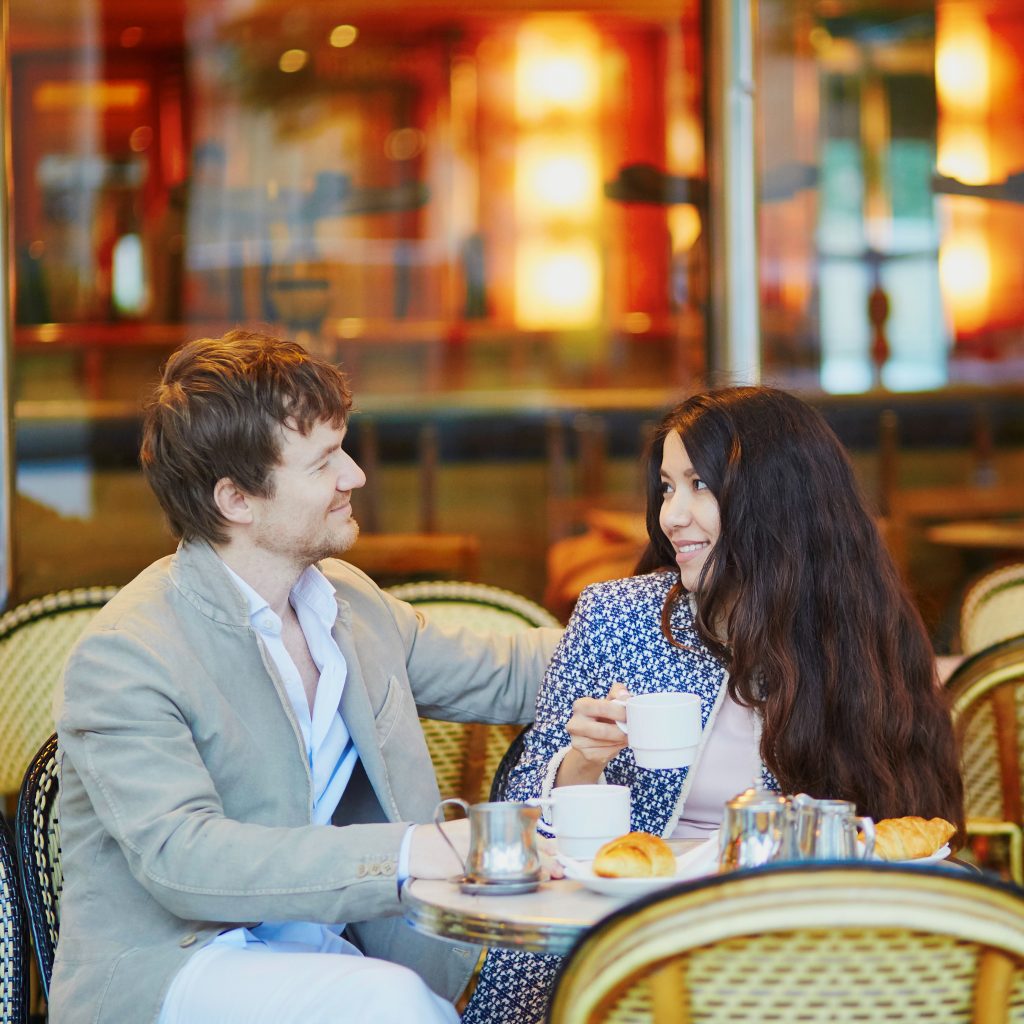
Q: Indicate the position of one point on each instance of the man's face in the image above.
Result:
(310, 515)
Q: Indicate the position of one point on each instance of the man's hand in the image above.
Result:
(431, 857)
(549, 866)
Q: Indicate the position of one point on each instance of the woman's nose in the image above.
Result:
(679, 513)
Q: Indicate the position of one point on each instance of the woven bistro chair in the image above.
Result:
(38, 837)
(986, 693)
(499, 781)
(992, 608)
(14, 942)
(466, 756)
(35, 638)
(809, 944)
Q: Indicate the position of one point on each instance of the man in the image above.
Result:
(243, 767)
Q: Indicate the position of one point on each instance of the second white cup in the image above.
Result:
(584, 818)
(663, 728)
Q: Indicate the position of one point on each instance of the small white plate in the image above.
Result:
(625, 888)
(940, 854)
(933, 858)
(701, 860)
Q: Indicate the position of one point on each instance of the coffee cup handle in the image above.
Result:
(439, 819)
(867, 827)
(622, 725)
(546, 805)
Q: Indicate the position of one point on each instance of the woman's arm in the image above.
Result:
(579, 672)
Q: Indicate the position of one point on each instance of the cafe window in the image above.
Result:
(451, 199)
(891, 159)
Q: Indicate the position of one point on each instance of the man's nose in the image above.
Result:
(351, 476)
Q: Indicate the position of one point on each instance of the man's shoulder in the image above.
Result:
(149, 590)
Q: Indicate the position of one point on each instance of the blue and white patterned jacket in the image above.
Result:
(615, 636)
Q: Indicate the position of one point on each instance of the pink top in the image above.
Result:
(729, 764)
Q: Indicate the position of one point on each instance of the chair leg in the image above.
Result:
(669, 1001)
(992, 989)
(1017, 856)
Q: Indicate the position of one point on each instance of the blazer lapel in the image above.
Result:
(357, 714)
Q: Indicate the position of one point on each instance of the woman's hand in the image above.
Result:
(595, 737)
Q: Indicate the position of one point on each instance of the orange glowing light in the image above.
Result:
(962, 62)
(557, 68)
(963, 153)
(965, 272)
(557, 285)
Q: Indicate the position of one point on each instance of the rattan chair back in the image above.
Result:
(35, 638)
(466, 757)
(499, 781)
(14, 941)
(992, 608)
(986, 694)
(836, 942)
(38, 832)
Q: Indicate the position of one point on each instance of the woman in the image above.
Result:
(766, 590)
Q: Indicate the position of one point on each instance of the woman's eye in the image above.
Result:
(699, 485)
(666, 487)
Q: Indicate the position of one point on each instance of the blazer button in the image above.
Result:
(188, 940)
(388, 869)
(361, 871)
(374, 869)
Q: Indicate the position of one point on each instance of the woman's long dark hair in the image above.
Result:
(822, 637)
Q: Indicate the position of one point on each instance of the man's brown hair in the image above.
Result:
(219, 411)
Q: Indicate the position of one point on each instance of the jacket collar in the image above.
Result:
(203, 580)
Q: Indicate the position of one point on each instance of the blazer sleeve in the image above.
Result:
(461, 675)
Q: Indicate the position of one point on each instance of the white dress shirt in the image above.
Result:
(330, 752)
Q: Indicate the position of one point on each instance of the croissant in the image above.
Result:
(911, 837)
(635, 855)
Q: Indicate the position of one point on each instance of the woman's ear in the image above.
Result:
(232, 503)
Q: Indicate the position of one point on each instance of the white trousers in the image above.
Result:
(283, 983)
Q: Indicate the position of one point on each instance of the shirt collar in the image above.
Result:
(312, 588)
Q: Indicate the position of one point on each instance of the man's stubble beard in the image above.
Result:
(343, 544)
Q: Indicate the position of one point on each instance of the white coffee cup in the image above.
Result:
(663, 728)
(584, 818)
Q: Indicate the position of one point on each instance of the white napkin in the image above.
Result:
(701, 860)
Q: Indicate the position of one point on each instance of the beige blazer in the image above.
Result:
(186, 798)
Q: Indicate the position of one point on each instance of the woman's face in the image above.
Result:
(689, 512)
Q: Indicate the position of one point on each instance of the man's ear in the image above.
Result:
(232, 503)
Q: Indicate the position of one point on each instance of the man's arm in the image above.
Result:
(126, 734)
(464, 676)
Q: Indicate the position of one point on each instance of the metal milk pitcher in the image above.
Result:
(838, 826)
(503, 854)
(754, 830)
(802, 834)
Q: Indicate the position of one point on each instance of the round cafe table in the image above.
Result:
(548, 920)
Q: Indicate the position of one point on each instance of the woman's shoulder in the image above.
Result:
(630, 592)
(625, 607)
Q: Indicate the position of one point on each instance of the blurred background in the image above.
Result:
(524, 231)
